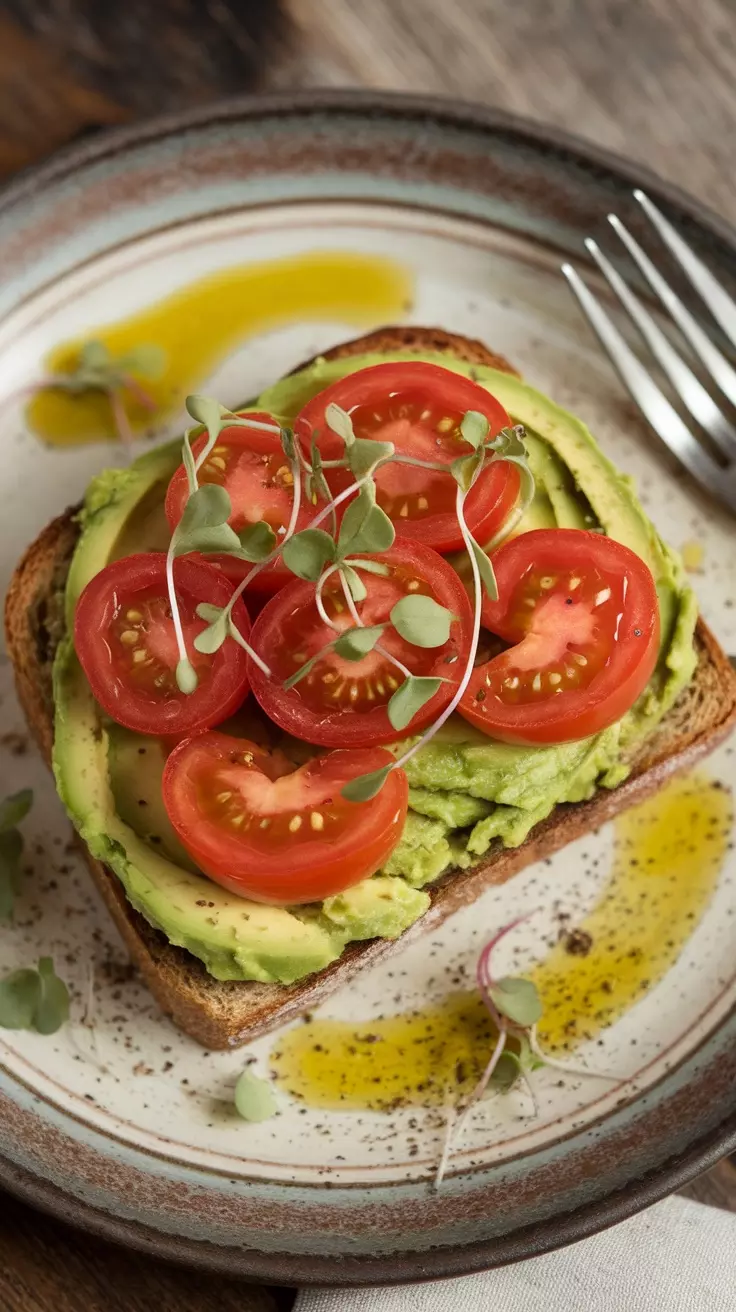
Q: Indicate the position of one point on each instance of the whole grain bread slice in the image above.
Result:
(224, 1015)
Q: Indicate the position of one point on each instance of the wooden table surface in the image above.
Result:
(652, 79)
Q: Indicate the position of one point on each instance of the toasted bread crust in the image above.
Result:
(224, 1015)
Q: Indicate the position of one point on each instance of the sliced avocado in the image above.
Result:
(123, 513)
(136, 765)
(382, 907)
(235, 938)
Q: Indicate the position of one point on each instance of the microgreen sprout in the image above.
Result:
(515, 1008)
(99, 371)
(316, 555)
(34, 999)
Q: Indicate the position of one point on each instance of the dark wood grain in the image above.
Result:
(653, 79)
(45, 1267)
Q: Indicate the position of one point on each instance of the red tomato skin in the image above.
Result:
(338, 729)
(578, 713)
(306, 870)
(490, 501)
(117, 585)
(268, 580)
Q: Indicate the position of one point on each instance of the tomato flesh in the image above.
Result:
(581, 612)
(278, 837)
(124, 637)
(418, 407)
(340, 702)
(251, 466)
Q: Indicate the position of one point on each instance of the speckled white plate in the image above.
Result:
(127, 1127)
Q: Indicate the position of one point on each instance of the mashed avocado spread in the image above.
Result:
(467, 792)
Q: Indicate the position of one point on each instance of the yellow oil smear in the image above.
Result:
(668, 855)
(201, 323)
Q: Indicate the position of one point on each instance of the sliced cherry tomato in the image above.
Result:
(125, 640)
(284, 838)
(582, 613)
(342, 703)
(252, 467)
(418, 407)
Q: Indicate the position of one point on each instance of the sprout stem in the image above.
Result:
(566, 1067)
(459, 502)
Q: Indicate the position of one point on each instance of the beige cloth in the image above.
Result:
(676, 1257)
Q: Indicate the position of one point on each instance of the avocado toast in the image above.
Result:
(467, 799)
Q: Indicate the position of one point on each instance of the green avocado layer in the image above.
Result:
(466, 791)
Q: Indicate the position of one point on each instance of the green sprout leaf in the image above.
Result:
(340, 422)
(11, 850)
(288, 443)
(365, 527)
(485, 569)
(421, 620)
(307, 553)
(255, 1099)
(19, 995)
(209, 613)
(188, 461)
(148, 360)
(203, 526)
(517, 999)
(355, 643)
(14, 809)
(509, 442)
(211, 639)
(257, 541)
(316, 483)
(207, 411)
(506, 1072)
(364, 454)
(463, 469)
(366, 786)
(186, 677)
(52, 1007)
(94, 356)
(370, 567)
(358, 590)
(474, 428)
(34, 999)
(409, 698)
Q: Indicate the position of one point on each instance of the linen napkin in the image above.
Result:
(679, 1256)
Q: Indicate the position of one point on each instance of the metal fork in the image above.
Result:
(716, 472)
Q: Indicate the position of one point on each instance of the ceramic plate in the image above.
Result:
(119, 1122)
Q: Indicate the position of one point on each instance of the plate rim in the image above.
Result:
(539, 1237)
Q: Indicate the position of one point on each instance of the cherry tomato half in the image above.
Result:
(251, 466)
(342, 703)
(125, 640)
(275, 837)
(582, 613)
(418, 407)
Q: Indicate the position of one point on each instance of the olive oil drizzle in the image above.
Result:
(667, 858)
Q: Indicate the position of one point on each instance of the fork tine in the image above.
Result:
(715, 362)
(663, 418)
(698, 401)
(720, 304)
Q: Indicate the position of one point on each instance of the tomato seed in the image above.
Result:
(295, 823)
(134, 616)
(129, 637)
(317, 820)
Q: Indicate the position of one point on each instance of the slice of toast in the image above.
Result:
(223, 1015)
